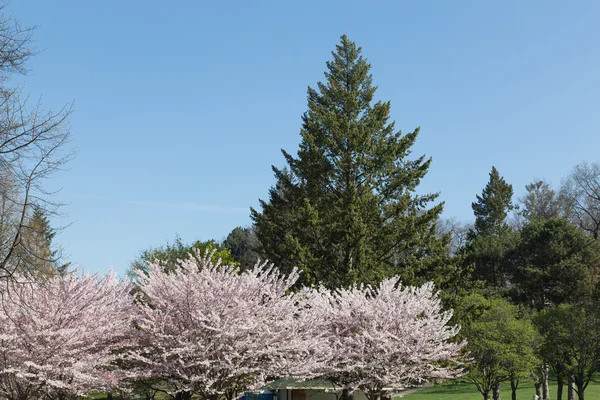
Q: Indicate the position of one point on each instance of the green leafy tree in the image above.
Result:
(554, 263)
(491, 239)
(571, 343)
(549, 351)
(345, 209)
(170, 254)
(500, 342)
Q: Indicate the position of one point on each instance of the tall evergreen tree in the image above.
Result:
(38, 254)
(492, 207)
(491, 239)
(345, 210)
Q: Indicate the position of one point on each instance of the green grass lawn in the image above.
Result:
(458, 391)
(467, 391)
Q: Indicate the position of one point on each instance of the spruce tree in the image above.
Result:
(491, 239)
(345, 209)
(492, 207)
(38, 254)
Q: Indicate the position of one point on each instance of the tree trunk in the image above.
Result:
(514, 384)
(545, 389)
(497, 391)
(538, 390)
(230, 394)
(486, 395)
(346, 395)
(559, 388)
(570, 389)
(580, 392)
(187, 396)
(109, 396)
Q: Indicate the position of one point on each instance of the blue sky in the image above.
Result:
(182, 106)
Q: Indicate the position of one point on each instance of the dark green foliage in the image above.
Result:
(38, 254)
(488, 254)
(345, 209)
(169, 255)
(242, 243)
(554, 263)
(491, 239)
(493, 206)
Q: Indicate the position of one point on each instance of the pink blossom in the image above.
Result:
(385, 337)
(212, 330)
(60, 337)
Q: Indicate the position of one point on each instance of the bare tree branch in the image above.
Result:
(581, 194)
(33, 146)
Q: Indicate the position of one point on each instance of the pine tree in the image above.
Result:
(39, 256)
(491, 239)
(345, 210)
(492, 207)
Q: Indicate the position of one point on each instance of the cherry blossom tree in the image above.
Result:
(211, 330)
(59, 338)
(385, 337)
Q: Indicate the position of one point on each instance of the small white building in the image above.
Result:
(289, 389)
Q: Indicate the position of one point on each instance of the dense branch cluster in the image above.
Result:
(215, 331)
(383, 337)
(34, 144)
(61, 337)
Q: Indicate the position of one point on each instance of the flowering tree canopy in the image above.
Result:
(212, 330)
(385, 337)
(59, 337)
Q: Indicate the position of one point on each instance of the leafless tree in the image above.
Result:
(458, 233)
(33, 145)
(580, 192)
(540, 202)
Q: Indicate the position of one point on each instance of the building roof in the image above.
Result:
(314, 384)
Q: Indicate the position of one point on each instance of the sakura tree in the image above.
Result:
(59, 338)
(385, 337)
(212, 330)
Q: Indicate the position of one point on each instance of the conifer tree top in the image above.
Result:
(349, 82)
(492, 207)
(345, 209)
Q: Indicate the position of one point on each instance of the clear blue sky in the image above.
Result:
(182, 106)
